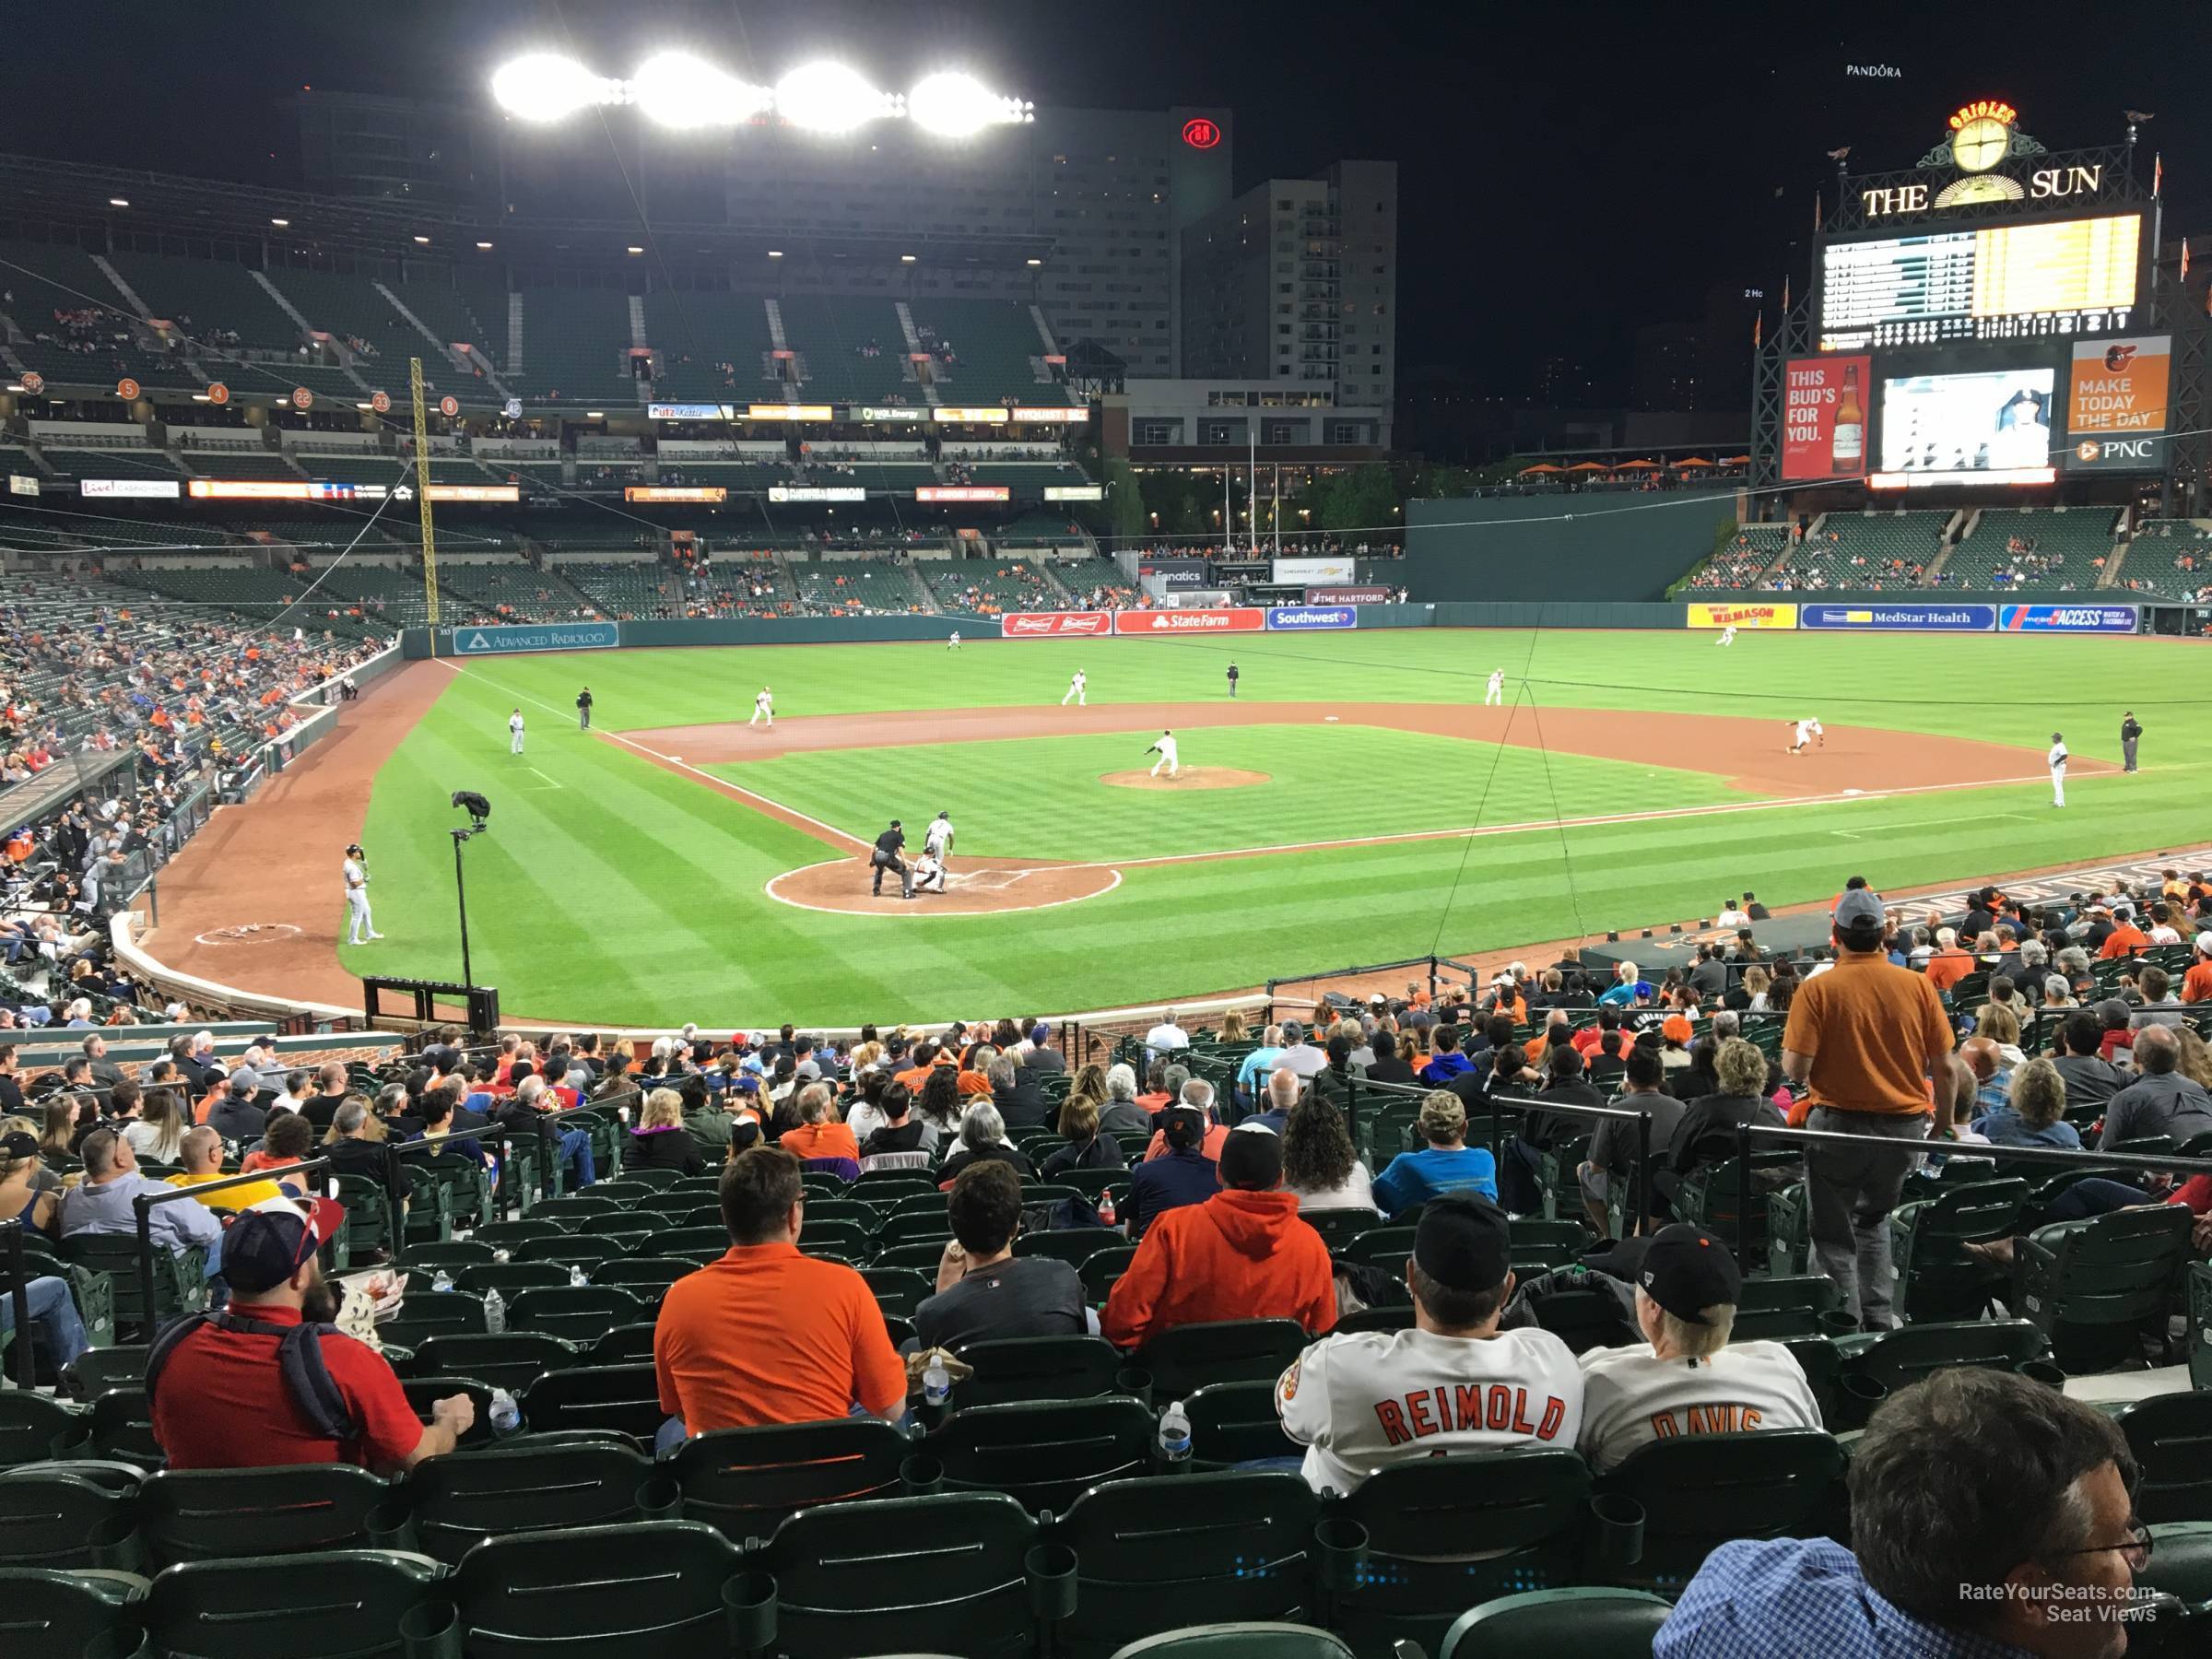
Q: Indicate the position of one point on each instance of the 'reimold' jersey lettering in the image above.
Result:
(1462, 1408)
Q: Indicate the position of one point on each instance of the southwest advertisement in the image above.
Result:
(1705, 613)
(1306, 619)
(2116, 405)
(2068, 618)
(1824, 404)
(549, 636)
(1900, 618)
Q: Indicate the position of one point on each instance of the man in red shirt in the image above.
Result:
(766, 1335)
(221, 1397)
(1243, 1254)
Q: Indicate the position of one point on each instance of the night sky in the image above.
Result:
(1567, 172)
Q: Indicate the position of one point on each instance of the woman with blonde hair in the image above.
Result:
(2195, 1063)
(1756, 980)
(22, 1198)
(660, 1141)
(2033, 1113)
(157, 1133)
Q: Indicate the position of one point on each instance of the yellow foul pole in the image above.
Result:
(422, 498)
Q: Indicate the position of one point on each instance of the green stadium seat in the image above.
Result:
(448, 1505)
(451, 1255)
(1044, 1453)
(508, 1278)
(900, 1290)
(1771, 1308)
(576, 1252)
(2181, 1560)
(914, 1227)
(1937, 1279)
(1338, 1228)
(1171, 1548)
(1235, 1422)
(1250, 1640)
(1440, 1534)
(577, 1313)
(180, 1279)
(2171, 1438)
(347, 1603)
(508, 1235)
(98, 1369)
(624, 1399)
(508, 1359)
(1187, 1357)
(1898, 1359)
(625, 1344)
(1100, 1271)
(424, 1390)
(1696, 1493)
(1037, 1368)
(1587, 1621)
(644, 1276)
(123, 1428)
(920, 1255)
(744, 1482)
(68, 1514)
(966, 1576)
(429, 1313)
(1074, 1245)
(208, 1514)
(849, 1240)
(34, 1429)
(2098, 1289)
(695, 1244)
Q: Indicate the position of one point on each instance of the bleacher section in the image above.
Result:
(2015, 548)
(202, 295)
(1094, 581)
(575, 343)
(73, 461)
(694, 331)
(1744, 563)
(828, 335)
(996, 351)
(1865, 550)
(853, 587)
(355, 467)
(2171, 559)
(44, 279)
(230, 464)
(619, 588)
(988, 587)
(343, 306)
(513, 590)
(469, 312)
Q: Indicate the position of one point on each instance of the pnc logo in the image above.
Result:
(1201, 133)
(2086, 450)
(2116, 359)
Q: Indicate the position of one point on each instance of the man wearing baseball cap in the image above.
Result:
(1361, 1401)
(1874, 1042)
(242, 1389)
(1685, 1377)
(1243, 1254)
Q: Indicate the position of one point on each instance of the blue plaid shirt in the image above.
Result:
(1791, 1595)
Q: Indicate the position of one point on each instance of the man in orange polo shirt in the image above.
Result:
(1872, 1041)
(766, 1335)
(2196, 984)
(1950, 964)
(2124, 940)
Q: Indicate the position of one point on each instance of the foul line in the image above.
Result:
(704, 777)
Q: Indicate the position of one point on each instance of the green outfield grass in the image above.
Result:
(613, 890)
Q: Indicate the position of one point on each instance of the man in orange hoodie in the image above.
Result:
(1243, 1254)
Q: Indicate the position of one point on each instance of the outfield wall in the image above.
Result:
(2027, 612)
(1630, 547)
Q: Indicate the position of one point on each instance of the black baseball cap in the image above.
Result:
(1685, 1270)
(267, 1245)
(1252, 1158)
(1462, 1241)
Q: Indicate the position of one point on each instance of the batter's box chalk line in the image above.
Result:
(987, 881)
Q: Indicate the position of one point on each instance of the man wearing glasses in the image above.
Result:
(1991, 1517)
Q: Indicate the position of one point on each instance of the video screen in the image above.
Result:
(1989, 427)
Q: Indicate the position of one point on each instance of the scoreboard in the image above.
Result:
(1991, 282)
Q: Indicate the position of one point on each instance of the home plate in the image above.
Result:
(1331, 718)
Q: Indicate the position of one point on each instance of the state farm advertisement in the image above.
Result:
(1824, 417)
(1048, 625)
(1236, 619)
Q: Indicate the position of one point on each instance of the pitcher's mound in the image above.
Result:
(1192, 777)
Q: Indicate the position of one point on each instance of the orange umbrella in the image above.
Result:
(1737, 461)
(1633, 465)
(1587, 466)
(1693, 461)
(1541, 467)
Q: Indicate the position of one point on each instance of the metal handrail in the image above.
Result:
(142, 1206)
(19, 1290)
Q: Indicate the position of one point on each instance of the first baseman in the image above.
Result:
(360, 929)
(1075, 689)
(1165, 748)
(764, 708)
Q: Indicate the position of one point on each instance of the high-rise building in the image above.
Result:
(1296, 281)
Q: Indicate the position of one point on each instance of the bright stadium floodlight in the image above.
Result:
(829, 98)
(677, 90)
(544, 86)
(960, 106)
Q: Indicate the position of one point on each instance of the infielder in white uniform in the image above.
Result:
(1165, 749)
(1727, 635)
(1075, 689)
(1454, 1382)
(2056, 761)
(1494, 693)
(1804, 732)
(953, 643)
(360, 929)
(937, 839)
(764, 708)
(1685, 1378)
(514, 732)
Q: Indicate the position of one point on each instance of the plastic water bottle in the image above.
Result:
(506, 1416)
(937, 1384)
(502, 1256)
(578, 1279)
(444, 1281)
(1174, 1435)
(495, 1312)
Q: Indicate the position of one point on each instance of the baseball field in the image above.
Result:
(1355, 803)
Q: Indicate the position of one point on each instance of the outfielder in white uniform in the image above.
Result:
(953, 643)
(360, 929)
(514, 732)
(937, 839)
(1075, 689)
(764, 708)
(1804, 732)
(2056, 761)
(1360, 1402)
(1685, 1378)
(1727, 635)
(1165, 749)
(1494, 693)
